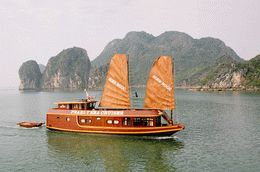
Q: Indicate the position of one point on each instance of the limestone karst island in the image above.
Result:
(201, 64)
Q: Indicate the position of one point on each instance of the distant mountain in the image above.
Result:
(227, 73)
(30, 75)
(205, 63)
(253, 72)
(69, 69)
(190, 55)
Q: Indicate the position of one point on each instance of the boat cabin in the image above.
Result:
(110, 117)
(119, 121)
(80, 105)
(88, 115)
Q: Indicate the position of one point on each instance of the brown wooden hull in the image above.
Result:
(59, 122)
(158, 132)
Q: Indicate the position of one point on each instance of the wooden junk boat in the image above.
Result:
(114, 114)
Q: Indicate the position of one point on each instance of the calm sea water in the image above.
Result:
(222, 134)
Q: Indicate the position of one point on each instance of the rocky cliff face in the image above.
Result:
(30, 75)
(69, 69)
(232, 79)
(204, 63)
(227, 73)
(97, 77)
(190, 55)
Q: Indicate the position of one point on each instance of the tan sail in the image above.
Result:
(116, 94)
(160, 85)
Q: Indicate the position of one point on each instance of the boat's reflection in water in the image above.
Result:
(112, 153)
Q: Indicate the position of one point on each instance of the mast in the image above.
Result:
(133, 91)
(129, 80)
(173, 75)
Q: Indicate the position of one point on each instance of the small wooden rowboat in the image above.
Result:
(30, 124)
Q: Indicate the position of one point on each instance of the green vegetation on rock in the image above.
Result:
(202, 63)
(190, 55)
(30, 75)
(252, 68)
(69, 69)
(227, 73)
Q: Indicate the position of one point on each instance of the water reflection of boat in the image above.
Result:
(113, 153)
(114, 115)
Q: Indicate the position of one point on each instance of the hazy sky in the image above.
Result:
(36, 29)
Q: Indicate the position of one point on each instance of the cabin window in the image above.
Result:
(116, 122)
(85, 120)
(98, 118)
(88, 121)
(90, 105)
(109, 121)
(83, 106)
(75, 106)
(127, 121)
(62, 106)
(68, 119)
(87, 106)
(137, 122)
(148, 122)
(158, 121)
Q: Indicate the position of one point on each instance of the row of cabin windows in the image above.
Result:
(77, 106)
(112, 121)
(87, 121)
(127, 121)
(143, 122)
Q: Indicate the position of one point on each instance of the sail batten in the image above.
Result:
(115, 93)
(160, 85)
